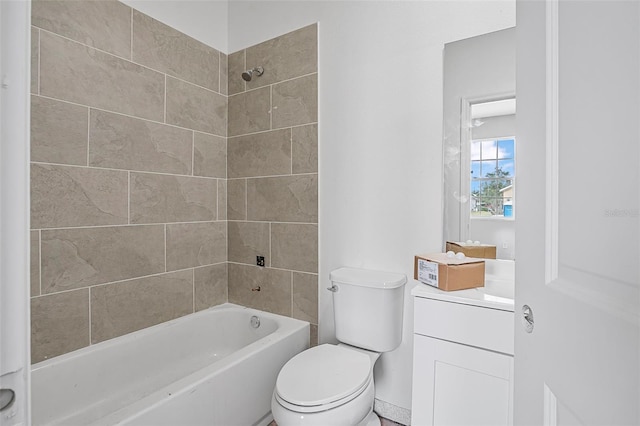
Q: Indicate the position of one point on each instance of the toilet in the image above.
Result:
(333, 384)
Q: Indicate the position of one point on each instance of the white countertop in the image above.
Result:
(496, 294)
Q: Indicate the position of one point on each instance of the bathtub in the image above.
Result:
(208, 368)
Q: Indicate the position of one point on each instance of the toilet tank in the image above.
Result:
(368, 307)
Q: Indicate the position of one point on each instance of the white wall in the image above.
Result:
(204, 20)
(380, 149)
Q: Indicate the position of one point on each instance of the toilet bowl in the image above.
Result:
(326, 385)
(333, 384)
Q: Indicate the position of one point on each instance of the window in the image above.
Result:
(492, 177)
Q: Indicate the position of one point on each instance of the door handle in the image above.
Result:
(527, 318)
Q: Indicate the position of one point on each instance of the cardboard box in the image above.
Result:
(483, 251)
(448, 274)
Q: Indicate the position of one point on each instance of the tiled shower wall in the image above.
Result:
(129, 167)
(128, 174)
(272, 167)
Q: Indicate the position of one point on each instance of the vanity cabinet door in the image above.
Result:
(455, 384)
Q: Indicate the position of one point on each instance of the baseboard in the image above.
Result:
(392, 412)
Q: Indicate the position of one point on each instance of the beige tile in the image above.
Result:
(165, 49)
(64, 196)
(164, 198)
(260, 154)
(196, 108)
(58, 132)
(105, 25)
(209, 155)
(305, 297)
(248, 240)
(128, 306)
(283, 199)
(291, 55)
(210, 283)
(35, 58)
(73, 258)
(249, 112)
(120, 142)
(294, 246)
(237, 199)
(224, 74)
(275, 288)
(196, 244)
(295, 102)
(59, 324)
(304, 149)
(222, 199)
(236, 68)
(313, 335)
(34, 255)
(76, 73)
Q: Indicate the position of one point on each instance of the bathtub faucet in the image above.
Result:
(256, 288)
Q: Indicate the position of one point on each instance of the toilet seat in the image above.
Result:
(322, 378)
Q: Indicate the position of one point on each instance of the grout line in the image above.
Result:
(193, 284)
(131, 41)
(129, 198)
(219, 72)
(227, 249)
(217, 200)
(131, 279)
(274, 268)
(273, 176)
(40, 260)
(246, 199)
(39, 60)
(292, 293)
(90, 316)
(271, 106)
(88, 134)
(272, 221)
(272, 84)
(122, 225)
(193, 152)
(272, 130)
(226, 158)
(128, 170)
(165, 99)
(165, 247)
(270, 249)
(128, 115)
(291, 149)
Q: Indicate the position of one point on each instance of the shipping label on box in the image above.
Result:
(427, 272)
(448, 274)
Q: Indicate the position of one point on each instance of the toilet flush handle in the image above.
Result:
(333, 288)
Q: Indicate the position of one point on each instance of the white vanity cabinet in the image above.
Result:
(463, 357)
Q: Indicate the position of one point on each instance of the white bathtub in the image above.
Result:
(208, 368)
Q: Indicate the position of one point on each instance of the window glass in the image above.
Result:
(492, 177)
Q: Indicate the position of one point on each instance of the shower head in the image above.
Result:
(247, 75)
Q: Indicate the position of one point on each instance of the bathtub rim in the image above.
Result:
(281, 320)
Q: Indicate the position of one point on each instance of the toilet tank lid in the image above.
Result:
(368, 278)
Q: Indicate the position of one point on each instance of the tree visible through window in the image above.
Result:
(492, 177)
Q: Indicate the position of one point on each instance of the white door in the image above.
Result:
(578, 88)
(14, 212)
